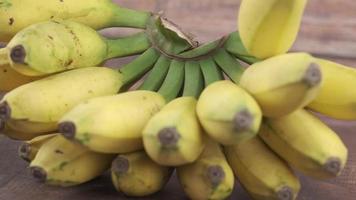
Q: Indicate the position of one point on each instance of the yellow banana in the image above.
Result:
(15, 15)
(29, 149)
(261, 172)
(15, 132)
(283, 84)
(270, 27)
(136, 175)
(209, 177)
(173, 137)
(307, 144)
(228, 113)
(35, 108)
(112, 124)
(63, 163)
(335, 98)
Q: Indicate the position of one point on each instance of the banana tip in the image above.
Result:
(18, 54)
(24, 151)
(120, 165)
(313, 75)
(333, 166)
(39, 174)
(168, 137)
(5, 111)
(215, 175)
(243, 121)
(285, 193)
(67, 129)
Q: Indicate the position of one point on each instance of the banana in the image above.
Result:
(335, 98)
(157, 75)
(111, 124)
(136, 175)
(283, 84)
(229, 65)
(35, 108)
(16, 15)
(55, 46)
(60, 162)
(173, 137)
(261, 172)
(209, 177)
(228, 113)
(211, 71)
(29, 149)
(307, 144)
(270, 27)
(15, 133)
(193, 79)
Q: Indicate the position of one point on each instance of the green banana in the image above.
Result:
(209, 177)
(283, 84)
(16, 15)
(261, 172)
(63, 163)
(211, 71)
(29, 149)
(194, 81)
(228, 113)
(307, 144)
(270, 27)
(229, 65)
(136, 175)
(111, 124)
(173, 137)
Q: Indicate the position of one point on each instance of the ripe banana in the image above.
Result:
(15, 133)
(111, 124)
(63, 163)
(261, 172)
(29, 149)
(16, 15)
(209, 177)
(136, 175)
(228, 113)
(307, 144)
(36, 107)
(335, 98)
(173, 137)
(283, 84)
(270, 27)
(54, 46)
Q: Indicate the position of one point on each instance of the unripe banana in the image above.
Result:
(209, 177)
(63, 163)
(261, 172)
(136, 175)
(173, 137)
(228, 113)
(35, 108)
(29, 149)
(15, 15)
(283, 84)
(335, 98)
(270, 27)
(307, 144)
(112, 124)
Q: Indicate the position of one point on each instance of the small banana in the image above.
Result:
(209, 177)
(63, 163)
(211, 71)
(283, 84)
(228, 113)
(307, 144)
(261, 172)
(270, 27)
(335, 98)
(14, 132)
(136, 175)
(173, 137)
(111, 124)
(29, 149)
(193, 79)
(157, 75)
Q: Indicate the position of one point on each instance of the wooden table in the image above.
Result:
(328, 31)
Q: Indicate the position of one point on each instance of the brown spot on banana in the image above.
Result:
(333, 166)
(5, 111)
(313, 75)
(67, 129)
(25, 151)
(18, 54)
(120, 165)
(169, 137)
(39, 174)
(215, 175)
(285, 193)
(242, 121)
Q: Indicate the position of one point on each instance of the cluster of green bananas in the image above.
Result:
(197, 110)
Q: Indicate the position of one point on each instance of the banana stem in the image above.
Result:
(229, 65)
(174, 81)
(235, 46)
(124, 17)
(127, 46)
(194, 81)
(4, 58)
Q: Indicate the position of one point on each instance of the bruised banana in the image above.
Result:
(261, 172)
(228, 113)
(283, 84)
(335, 98)
(60, 162)
(209, 177)
(35, 108)
(307, 144)
(173, 137)
(29, 149)
(136, 175)
(270, 27)
(111, 124)
(55, 46)
(16, 15)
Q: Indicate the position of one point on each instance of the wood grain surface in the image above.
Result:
(328, 31)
